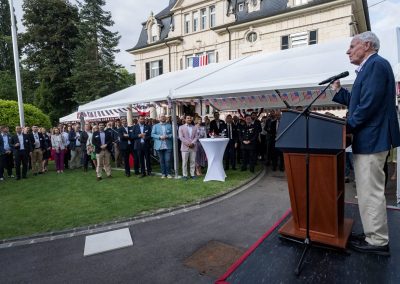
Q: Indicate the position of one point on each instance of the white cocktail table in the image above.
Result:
(214, 149)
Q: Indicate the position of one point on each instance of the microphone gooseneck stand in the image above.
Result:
(307, 241)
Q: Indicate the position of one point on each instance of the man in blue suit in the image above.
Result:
(162, 136)
(126, 144)
(141, 136)
(373, 122)
(2, 155)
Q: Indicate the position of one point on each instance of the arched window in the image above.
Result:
(154, 32)
(251, 37)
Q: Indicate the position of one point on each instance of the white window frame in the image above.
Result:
(213, 16)
(154, 69)
(213, 52)
(203, 19)
(189, 58)
(300, 39)
(241, 7)
(195, 16)
(186, 23)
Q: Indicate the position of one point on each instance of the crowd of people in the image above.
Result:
(147, 140)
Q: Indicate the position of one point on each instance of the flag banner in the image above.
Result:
(295, 97)
(307, 95)
(273, 98)
(199, 61)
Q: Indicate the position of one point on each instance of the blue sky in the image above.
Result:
(128, 16)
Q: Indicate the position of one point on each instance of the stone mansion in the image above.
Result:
(191, 33)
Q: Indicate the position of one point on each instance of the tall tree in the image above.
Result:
(96, 73)
(49, 41)
(6, 53)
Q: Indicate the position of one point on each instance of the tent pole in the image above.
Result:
(175, 138)
(129, 117)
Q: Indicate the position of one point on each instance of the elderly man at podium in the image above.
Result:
(373, 122)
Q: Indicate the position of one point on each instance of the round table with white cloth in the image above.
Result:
(215, 149)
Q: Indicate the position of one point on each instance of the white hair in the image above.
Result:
(369, 37)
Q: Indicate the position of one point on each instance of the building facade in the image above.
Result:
(191, 33)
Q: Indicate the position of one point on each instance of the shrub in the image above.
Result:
(9, 115)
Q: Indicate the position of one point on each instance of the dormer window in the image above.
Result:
(254, 5)
(300, 2)
(241, 7)
(153, 29)
(154, 33)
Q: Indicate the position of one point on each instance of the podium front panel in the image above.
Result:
(326, 134)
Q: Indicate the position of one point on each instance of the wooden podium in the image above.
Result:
(327, 162)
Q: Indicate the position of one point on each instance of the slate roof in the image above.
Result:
(268, 8)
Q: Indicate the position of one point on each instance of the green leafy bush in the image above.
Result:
(9, 115)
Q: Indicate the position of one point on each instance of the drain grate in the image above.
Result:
(214, 258)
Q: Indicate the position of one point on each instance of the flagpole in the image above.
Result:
(16, 66)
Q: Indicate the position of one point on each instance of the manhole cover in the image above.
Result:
(214, 258)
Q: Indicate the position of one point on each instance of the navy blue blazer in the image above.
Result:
(27, 143)
(123, 143)
(72, 139)
(372, 117)
(136, 132)
(2, 151)
(96, 141)
(41, 140)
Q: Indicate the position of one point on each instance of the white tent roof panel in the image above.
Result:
(154, 90)
(287, 70)
(297, 69)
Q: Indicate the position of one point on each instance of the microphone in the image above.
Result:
(334, 78)
(285, 102)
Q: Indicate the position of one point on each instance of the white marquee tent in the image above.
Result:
(287, 70)
(295, 72)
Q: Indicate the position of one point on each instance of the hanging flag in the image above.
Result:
(201, 60)
(323, 96)
(295, 96)
(285, 97)
(273, 98)
(307, 95)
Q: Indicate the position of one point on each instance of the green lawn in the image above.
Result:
(54, 202)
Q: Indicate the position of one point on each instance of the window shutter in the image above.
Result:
(147, 70)
(160, 67)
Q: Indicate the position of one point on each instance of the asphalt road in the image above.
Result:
(160, 247)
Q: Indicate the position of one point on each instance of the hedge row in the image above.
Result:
(9, 115)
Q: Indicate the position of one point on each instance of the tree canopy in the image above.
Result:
(68, 55)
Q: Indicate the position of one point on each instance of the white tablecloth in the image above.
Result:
(215, 148)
